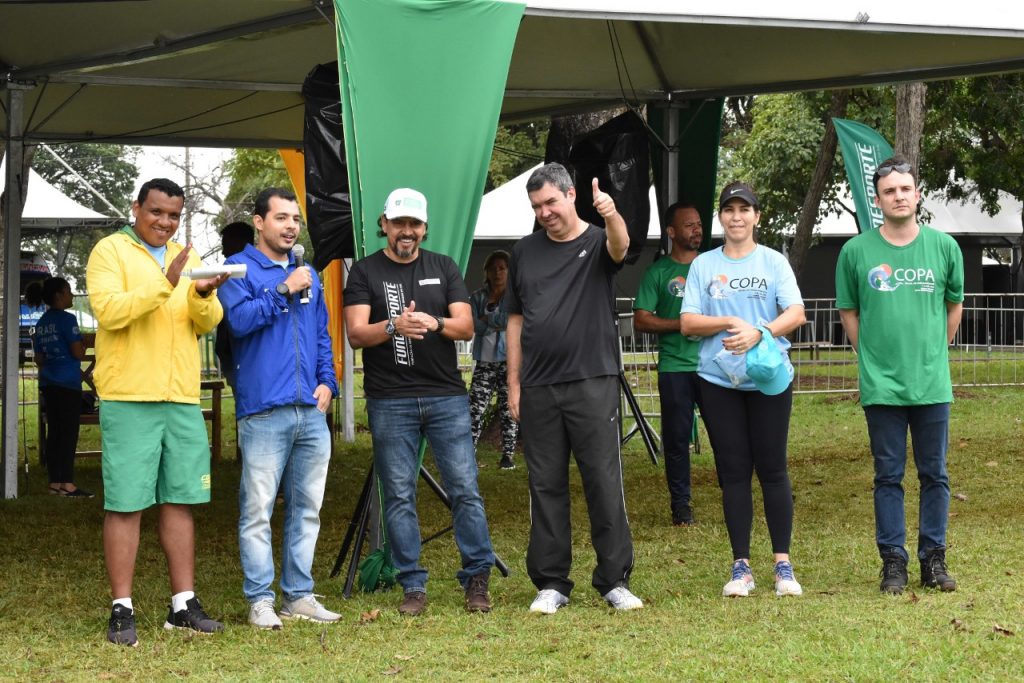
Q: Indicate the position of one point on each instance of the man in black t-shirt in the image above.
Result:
(563, 368)
(406, 307)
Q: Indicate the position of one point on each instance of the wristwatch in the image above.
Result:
(440, 323)
(390, 327)
(282, 289)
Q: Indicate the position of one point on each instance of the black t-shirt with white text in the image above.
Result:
(403, 367)
(564, 291)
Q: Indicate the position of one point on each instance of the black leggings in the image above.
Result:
(748, 432)
(63, 410)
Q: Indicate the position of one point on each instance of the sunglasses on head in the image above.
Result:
(886, 169)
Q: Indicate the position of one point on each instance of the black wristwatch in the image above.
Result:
(282, 289)
(440, 323)
(390, 327)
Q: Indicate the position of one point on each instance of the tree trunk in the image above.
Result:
(910, 100)
(820, 179)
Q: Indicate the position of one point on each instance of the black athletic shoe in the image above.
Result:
(121, 627)
(78, 493)
(894, 574)
(192, 617)
(934, 573)
(683, 516)
(506, 463)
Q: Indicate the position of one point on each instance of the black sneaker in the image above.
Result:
(121, 627)
(192, 617)
(894, 573)
(934, 573)
(506, 463)
(683, 516)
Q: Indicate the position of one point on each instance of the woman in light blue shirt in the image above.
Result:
(734, 295)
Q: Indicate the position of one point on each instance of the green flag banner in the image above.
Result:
(421, 88)
(863, 150)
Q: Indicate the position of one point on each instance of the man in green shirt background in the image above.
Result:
(900, 291)
(656, 310)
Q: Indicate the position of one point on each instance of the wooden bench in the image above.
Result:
(211, 414)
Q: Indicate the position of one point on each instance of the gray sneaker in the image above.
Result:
(262, 615)
(308, 608)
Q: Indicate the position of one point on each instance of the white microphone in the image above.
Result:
(299, 251)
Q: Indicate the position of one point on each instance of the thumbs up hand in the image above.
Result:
(603, 201)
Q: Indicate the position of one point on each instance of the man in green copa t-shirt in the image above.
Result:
(900, 291)
(656, 310)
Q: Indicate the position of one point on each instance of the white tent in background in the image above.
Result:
(47, 209)
(505, 212)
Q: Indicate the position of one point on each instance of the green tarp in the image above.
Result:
(863, 150)
(700, 129)
(421, 88)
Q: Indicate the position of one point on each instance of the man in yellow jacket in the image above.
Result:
(155, 449)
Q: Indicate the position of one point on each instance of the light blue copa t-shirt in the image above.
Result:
(755, 288)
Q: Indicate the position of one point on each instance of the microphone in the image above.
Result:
(299, 251)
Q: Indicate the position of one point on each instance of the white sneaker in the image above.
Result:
(742, 582)
(262, 615)
(785, 582)
(308, 608)
(548, 601)
(620, 598)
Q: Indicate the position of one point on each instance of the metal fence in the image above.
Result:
(988, 350)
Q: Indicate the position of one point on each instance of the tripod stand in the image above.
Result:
(640, 423)
(359, 523)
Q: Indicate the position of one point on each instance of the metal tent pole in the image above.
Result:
(12, 208)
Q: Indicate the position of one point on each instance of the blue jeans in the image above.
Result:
(397, 425)
(929, 430)
(286, 448)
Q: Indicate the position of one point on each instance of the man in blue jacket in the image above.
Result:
(283, 386)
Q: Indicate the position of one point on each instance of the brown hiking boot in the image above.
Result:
(413, 604)
(477, 597)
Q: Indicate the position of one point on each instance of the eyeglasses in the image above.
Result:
(886, 169)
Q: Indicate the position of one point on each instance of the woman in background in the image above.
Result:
(490, 317)
(735, 296)
(59, 352)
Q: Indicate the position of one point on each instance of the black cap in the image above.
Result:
(737, 190)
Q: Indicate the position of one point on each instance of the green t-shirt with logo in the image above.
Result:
(661, 293)
(901, 294)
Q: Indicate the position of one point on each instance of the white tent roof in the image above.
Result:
(48, 209)
(505, 212)
(952, 217)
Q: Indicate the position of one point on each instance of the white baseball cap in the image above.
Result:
(406, 203)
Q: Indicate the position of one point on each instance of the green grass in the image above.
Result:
(55, 603)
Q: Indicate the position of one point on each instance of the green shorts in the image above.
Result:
(153, 453)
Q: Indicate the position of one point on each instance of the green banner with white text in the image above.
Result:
(863, 150)
(422, 83)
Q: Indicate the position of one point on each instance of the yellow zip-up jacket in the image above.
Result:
(146, 344)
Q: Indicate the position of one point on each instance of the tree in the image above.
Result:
(251, 171)
(974, 147)
(517, 148)
(111, 170)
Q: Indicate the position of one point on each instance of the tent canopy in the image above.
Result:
(47, 209)
(228, 73)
